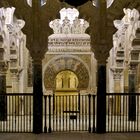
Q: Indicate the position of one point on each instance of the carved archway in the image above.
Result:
(62, 63)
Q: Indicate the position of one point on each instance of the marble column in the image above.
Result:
(132, 98)
(37, 96)
(3, 98)
(117, 73)
(101, 98)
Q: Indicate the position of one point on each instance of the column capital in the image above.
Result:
(133, 68)
(117, 73)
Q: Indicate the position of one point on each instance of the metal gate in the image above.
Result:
(69, 113)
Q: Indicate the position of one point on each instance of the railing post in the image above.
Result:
(89, 107)
(78, 101)
(45, 113)
(49, 130)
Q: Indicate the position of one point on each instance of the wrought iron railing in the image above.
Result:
(123, 112)
(70, 112)
(16, 112)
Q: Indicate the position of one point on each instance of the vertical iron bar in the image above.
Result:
(89, 106)
(73, 110)
(49, 130)
(83, 118)
(66, 113)
(56, 112)
(115, 113)
(76, 110)
(60, 112)
(45, 113)
(9, 113)
(12, 114)
(120, 97)
(108, 109)
(30, 113)
(69, 112)
(123, 113)
(112, 111)
(78, 101)
(15, 112)
(24, 111)
(21, 114)
(138, 113)
(127, 125)
(79, 108)
(27, 111)
(18, 111)
(63, 114)
(86, 108)
(93, 129)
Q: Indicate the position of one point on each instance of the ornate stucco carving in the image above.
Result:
(117, 73)
(69, 23)
(69, 32)
(66, 63)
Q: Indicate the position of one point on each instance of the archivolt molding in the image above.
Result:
(66, 62)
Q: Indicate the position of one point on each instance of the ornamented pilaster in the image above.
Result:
(15, 81)
(117, 73)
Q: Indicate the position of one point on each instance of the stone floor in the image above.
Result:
(70, 136)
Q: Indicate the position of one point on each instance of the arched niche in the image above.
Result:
(63, 63)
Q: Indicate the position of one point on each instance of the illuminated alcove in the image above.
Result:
(66, 81)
